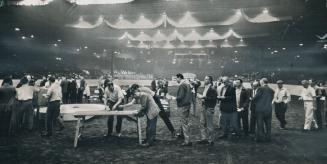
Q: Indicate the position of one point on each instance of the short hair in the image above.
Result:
(52, 79)
(305, 82)
(241, 81)
(24, 80)
(265, 80)
(179, 75)
(134, 87)
(7, 80)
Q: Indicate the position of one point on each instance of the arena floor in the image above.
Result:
(287, 146)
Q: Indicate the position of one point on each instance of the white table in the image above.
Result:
(82, 114)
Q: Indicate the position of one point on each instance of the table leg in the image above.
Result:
(139, 129)
(77, 131)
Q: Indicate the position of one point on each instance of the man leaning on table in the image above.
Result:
(113, 97)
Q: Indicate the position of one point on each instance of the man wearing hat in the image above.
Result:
(281, 98)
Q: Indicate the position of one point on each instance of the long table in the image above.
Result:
(81, 120)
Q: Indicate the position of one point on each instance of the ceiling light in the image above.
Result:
(17, 29)
(301, 44)
(23, 37)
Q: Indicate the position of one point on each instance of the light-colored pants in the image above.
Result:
(309, 120)
(186, 122)
(206, 123)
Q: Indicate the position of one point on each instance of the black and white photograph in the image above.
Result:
(163, 81)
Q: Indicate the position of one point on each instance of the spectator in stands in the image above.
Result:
(281, 98)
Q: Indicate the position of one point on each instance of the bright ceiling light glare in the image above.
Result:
(32, 36)
(85, 47)
(99, 2)
(284, 48)
(269, 48)
(17, 29)
(275, 51)
(23, 37)
(77, 49)
(56, 45)
(301, 44)
(59, 40)
(104, 50)
(235, 51)
(265, 11)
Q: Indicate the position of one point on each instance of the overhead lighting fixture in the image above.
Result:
(59, 40)
(56, 45)
(17, 29)
(32, 36)
(301, 44)
(284, 48)
(23, 37)
(85, 47)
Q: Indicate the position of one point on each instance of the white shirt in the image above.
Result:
(54, 92)
(282, 95)
(308, 94)
(238, 96)
(25, 92)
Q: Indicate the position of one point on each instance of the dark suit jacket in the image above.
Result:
(228, 104)
(210, 99)
(263, 99)
(244, 99)
(251, 103)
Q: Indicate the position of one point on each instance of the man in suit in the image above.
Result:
(263, 108)
(242, 102)
(228, 108)
(252, 92)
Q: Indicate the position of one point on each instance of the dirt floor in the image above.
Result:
(287, 146)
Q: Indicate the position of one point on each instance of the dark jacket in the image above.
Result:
(244, 99)
(251, 103)
(228, 104)
(263, 99)
(210, 99)
(184, 95)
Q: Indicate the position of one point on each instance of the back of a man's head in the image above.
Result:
(179, 75)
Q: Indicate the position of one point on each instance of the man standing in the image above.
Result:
(281, 98)
(263, 109)
(64, 89)
(253, 119)
(113, 96)
(308, 96)
(228, 107)
(209, 101)
(151, 110)
(54, 96)
(184, 98)
(242, 103)
(25, 96)
(162, 112)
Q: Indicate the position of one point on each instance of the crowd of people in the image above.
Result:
(242, 112)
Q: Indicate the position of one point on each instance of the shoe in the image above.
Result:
(145, 145)
(173, 135)
(119, 135)
(223, 136)
(186, 144)
(202, 142)
(179, 136)
(107, 135)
